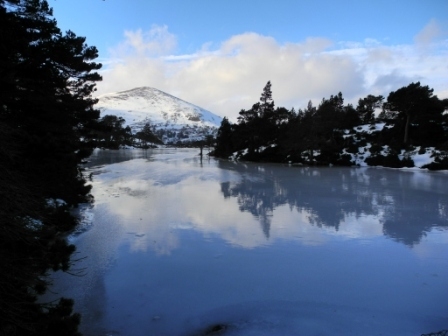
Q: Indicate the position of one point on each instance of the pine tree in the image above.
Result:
(416, 104)
(367, 106)
(267, 104)
(224, 146)
(46, 92)
(46, 111)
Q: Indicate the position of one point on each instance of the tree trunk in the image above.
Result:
(406, 129)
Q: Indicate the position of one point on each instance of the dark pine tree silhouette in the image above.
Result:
(367, 106)
(224, 146)
(416, 104)
(46, 115)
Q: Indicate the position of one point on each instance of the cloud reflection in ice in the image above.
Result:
(250, 205)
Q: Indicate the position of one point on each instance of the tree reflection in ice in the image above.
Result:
(408, 204)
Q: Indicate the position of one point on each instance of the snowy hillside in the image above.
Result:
(172, 119)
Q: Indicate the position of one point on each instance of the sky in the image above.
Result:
(220, 54)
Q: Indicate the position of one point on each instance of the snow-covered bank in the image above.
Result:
(362, 153)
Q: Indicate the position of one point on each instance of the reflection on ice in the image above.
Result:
(334, 197)
(302, 202)
(179, 244)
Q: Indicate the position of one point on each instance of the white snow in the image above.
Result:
(370, 128)
(367, 129)
(364, 151)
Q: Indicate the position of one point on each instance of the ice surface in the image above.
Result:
(179, 245)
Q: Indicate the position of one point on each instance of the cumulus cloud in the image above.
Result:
(230, 77)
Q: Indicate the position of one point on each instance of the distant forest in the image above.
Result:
(413, 119)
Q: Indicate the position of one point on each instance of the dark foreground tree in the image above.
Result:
(46, 115)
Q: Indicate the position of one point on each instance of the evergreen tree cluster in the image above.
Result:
(47, 118)
(413, 119)
(146, 135)
(109, 132)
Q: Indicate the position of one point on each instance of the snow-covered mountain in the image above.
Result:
(171, 118)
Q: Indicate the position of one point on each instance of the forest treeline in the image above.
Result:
(47, 127)
(412, 118)
(111, 133)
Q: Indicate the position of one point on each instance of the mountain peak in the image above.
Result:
(166, 113)
(143, 91)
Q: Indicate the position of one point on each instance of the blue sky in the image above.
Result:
(219, 54)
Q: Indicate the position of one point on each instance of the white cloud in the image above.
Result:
(155, 42)
(230, 77)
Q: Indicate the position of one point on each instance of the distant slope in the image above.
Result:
(173, 119)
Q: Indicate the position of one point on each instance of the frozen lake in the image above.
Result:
(180, 246)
